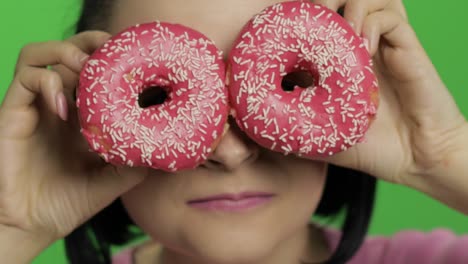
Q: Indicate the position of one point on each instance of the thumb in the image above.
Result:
(347, 159)
(362, 156)
(110, 182)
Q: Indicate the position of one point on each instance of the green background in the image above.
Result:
(442, 27)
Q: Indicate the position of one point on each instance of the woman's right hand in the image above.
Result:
(49, 182)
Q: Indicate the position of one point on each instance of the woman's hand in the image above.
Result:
(49, 182)
(419, 129)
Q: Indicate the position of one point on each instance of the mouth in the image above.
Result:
(232, 202)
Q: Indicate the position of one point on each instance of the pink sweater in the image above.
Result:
(440, 246)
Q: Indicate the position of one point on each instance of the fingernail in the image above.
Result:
(62, 107)
(366, 44)
(84, 59)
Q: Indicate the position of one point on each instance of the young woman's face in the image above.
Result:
(160, 205)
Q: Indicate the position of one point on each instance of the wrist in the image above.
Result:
(19, 246)
(447, 181)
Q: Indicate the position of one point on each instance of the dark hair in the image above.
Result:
(346, 190)
(94, 14)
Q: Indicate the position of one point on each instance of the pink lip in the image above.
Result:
(232, 202)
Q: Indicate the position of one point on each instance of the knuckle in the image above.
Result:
(72, 54)
(20, 73)
(12, 213)
(400, 16)
(390, 12)
(27, 50)
(67, 48)
(393, 17)
(375, 17)
(50, 78)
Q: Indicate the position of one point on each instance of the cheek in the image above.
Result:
(153, 207)
(309, 180)
(306, 183)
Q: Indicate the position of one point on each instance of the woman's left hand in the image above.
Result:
(419, 132)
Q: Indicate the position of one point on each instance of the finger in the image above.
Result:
(355, 11)
(44, 54)
(364, 156)
(399, 7)
(32, 81)
(89, 41)
(390, 26)
(70, 82)
(69, 79)
(331, 4)
(421, 92)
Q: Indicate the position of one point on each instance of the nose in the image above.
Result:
(234, 150)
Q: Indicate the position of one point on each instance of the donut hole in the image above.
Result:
(302, 79)
(154, 95)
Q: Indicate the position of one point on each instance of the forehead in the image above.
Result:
(219, 20)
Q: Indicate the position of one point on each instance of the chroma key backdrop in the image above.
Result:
(442, 27)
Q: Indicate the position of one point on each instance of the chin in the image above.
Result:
(232, 247)
(234, 253)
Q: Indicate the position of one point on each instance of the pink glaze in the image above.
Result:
(328, 117)
(178, 134)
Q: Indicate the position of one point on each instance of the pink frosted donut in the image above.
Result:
(160, 60)
(329, 115)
